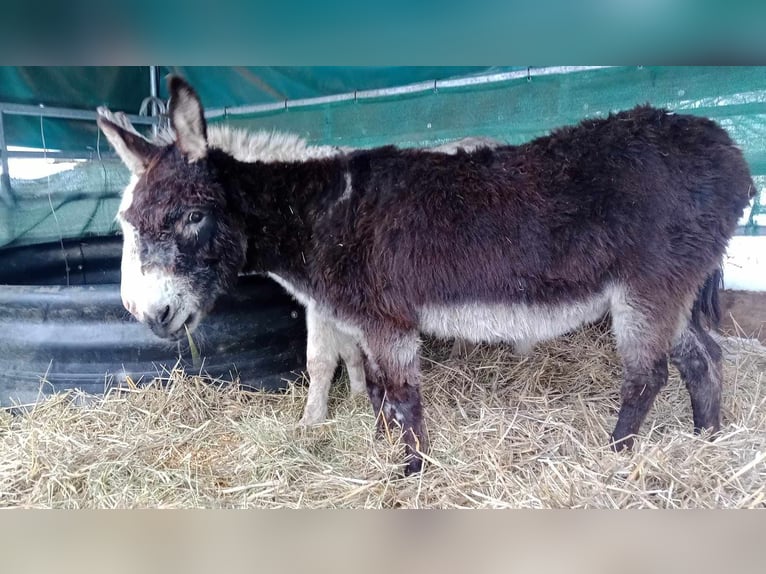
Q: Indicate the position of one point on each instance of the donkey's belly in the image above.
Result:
(497, 322)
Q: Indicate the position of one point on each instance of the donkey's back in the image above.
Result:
(644, 200)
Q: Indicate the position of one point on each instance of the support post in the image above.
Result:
(154, 92)
(6, 192)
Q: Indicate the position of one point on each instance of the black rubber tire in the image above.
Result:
(55, 336)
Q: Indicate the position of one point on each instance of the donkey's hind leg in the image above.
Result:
(698, 358)
(639, 389)
(643, 338)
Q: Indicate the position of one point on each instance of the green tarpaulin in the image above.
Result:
(83, 201)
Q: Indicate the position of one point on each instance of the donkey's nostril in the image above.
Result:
(161, 319)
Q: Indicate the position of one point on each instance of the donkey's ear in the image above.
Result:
(187, 119)
(118, 118)
(133, 149)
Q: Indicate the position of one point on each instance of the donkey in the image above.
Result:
(629, 214)
(326, 344)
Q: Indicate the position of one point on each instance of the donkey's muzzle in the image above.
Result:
(161, 321)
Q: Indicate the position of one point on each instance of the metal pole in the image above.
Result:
(419, 87)
(58, 155)
(6, 192)
(66, 113)
(154, 92)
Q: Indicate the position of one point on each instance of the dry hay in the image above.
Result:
(506, 431)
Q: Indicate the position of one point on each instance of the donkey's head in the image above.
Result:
(183, 240)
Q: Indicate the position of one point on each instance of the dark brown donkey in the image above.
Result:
(628, 214)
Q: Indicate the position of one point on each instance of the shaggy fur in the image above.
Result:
(630, 213)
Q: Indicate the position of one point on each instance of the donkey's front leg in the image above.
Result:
(392, 369)
(321, 361)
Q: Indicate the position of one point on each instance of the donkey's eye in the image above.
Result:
(196, 216)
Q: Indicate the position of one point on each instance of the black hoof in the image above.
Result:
(413, 466)
(621, 444)
(714, 430)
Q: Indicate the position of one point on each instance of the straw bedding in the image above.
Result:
(506, 432)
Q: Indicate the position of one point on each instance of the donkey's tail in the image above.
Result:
(707, 302)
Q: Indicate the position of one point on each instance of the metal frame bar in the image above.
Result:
(6, 192)
(745, 231)
(58, 155)
(432, 85)
(63, 113)
(154, 92)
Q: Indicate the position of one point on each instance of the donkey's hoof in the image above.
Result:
(621, 444)
(713, 431)
(308, 420)
(414, 465)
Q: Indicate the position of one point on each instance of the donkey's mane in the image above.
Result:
(243, 145)
(268, 146)
(259, 145)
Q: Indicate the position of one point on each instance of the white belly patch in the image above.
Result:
(521, 323)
